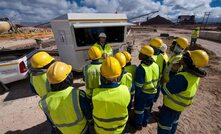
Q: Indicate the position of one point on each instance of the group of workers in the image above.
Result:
(112, 83)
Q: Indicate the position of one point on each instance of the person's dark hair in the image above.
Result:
(48, 65)
(172, 46)
(188, 61)
(64, 84)
(106, 81)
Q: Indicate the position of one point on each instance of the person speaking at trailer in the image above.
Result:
(104, 46)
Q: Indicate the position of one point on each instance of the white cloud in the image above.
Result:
(44, 10)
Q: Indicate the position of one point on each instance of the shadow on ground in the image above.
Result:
(42, 128)
(18, 89)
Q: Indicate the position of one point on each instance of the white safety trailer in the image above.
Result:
(76, 32)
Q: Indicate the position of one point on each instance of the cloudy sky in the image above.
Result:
(44, 10)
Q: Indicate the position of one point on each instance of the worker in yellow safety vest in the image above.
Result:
(110, 100)
(172, 66)
(67, 107)
(104, 46)
(126, 77)
(91, 71)
(129, 67)
(159, 58)
(195, 35)
(39, 85)
(146, 84)
(38, 79)
(179, 92)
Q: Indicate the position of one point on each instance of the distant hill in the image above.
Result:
(38, 24)
(158, 20)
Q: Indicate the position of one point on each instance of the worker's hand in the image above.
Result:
(104, 55)
(175, 67)
(163, 80)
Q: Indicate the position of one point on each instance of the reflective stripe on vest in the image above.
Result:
(40, 84)
(107, 49)
(164, 127)
(76, 108)
(151, 78)
(111, 119)
(111, 129)
(195, 34)
(110, 109)
(179, 102)
(67, 119)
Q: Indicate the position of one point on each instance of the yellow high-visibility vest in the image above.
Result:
(195, 34)
(110, 109)
(180, 101)
(40, 84)
(160, 61)
(107, 49)
(92, 77)
(131, 69)
(152, 78)
(63, 109)
(127, 81)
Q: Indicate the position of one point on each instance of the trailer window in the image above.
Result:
(89, 36)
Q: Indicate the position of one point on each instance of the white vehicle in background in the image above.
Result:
(75, 32)
(14, 65)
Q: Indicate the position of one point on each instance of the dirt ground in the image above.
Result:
(20, 114)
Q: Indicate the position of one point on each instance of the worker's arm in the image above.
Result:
(109, 50)
(33, 89)
(132, 91)
(139, 78)
(85, 71)
(176, 84)
(85, 106)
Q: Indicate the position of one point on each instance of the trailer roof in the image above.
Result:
(92, 17)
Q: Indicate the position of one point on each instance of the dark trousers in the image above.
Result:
(53, 129)
(168, 120)
(158, 93)
(143, 104)
(193, 41)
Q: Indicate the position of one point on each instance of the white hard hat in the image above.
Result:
(102, 35)
(164, 48)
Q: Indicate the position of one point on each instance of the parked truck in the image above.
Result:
(14, 65)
